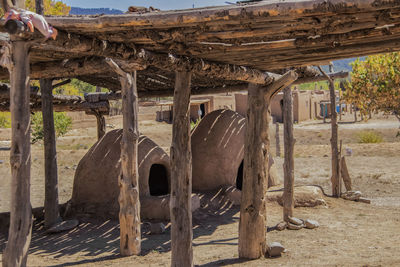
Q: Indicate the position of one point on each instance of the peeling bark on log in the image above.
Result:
(252, 226)
(51, 212)
(288, 165)
(181, 175)
(129, 214)
(20, 231)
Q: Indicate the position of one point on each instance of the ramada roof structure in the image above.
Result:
(225, 46)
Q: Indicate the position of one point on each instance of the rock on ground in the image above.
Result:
(304, 196)
(275, 249)
(311, 224)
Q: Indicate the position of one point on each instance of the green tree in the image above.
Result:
(375, 84)
(62, 124)
(51, 7)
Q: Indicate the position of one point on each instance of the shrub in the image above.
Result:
(62, 124)
(193, 124)
(369, 137)
(5, 120)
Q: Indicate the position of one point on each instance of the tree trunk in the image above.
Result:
(129, 214)
(51, 212)
(253, 213)
(288, 165)
(181, 175)
(20, 231)
(101, 125)
(334, 143)
(39, 7)
(277, 142)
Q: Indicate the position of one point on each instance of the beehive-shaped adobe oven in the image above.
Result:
(218, 151)
(96, 188)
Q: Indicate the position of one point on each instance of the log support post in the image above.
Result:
(181, 175)
(335, 179)
(101, 125)
(20, 230)
(288, 165)
(51, 211)
(129, 213)
(277, 140)
(252, 226)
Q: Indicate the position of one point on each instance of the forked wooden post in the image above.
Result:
(51, 211)
(129, 205)
(288, 165)
(334, 139)
(253, 213)
(181, 175)
(20, 231)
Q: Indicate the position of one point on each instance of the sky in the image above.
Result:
(161, 4)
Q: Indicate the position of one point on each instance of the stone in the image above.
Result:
(295, 221)
(281, 226)
(291, 226)
(62, 226)
(1, 161)
(304, 196)
(311, 224)
(157, 228)
(275, 249)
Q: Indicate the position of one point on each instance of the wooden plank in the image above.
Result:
(101, 125)
(345, 174)
(129, 213)
(20, 230)
(288, 165)
(51, 210)
(181, 175)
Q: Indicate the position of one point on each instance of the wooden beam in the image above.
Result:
(20, 230)
(288, 165)
(51, 211)
(129, 213)
(318, 78)
(252, 226)
(334, 139)
(181, 175)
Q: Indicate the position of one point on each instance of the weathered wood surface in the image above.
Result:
(129, 214)
(181, 175)
(20, 230)
(253, 213)
(345, 174)
(288, 165)
(252, 225)
(51, 212)
(335, 179)
(277, 140)
(101, 125)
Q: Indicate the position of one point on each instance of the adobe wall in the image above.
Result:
(96, 189)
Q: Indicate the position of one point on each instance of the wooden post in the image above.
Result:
(101, 125)
(252, 226)
(288, 165)
(181, 175)
(39, 7)
(20, 231)
(334, 139)
(129, 205)
(277, 142)
(51, 211)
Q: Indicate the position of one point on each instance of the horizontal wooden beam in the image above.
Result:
(101, 107)
(335, 75)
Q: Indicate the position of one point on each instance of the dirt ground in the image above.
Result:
(351, 233)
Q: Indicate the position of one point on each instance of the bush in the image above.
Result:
(62, 124)
(5, 120)
(369, 137)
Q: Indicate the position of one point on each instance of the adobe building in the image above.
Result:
(96, 188)
(218, 152)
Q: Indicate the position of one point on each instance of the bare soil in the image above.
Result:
(351, 233)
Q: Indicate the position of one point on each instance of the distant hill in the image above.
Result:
(94, 11)
(344, 64)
